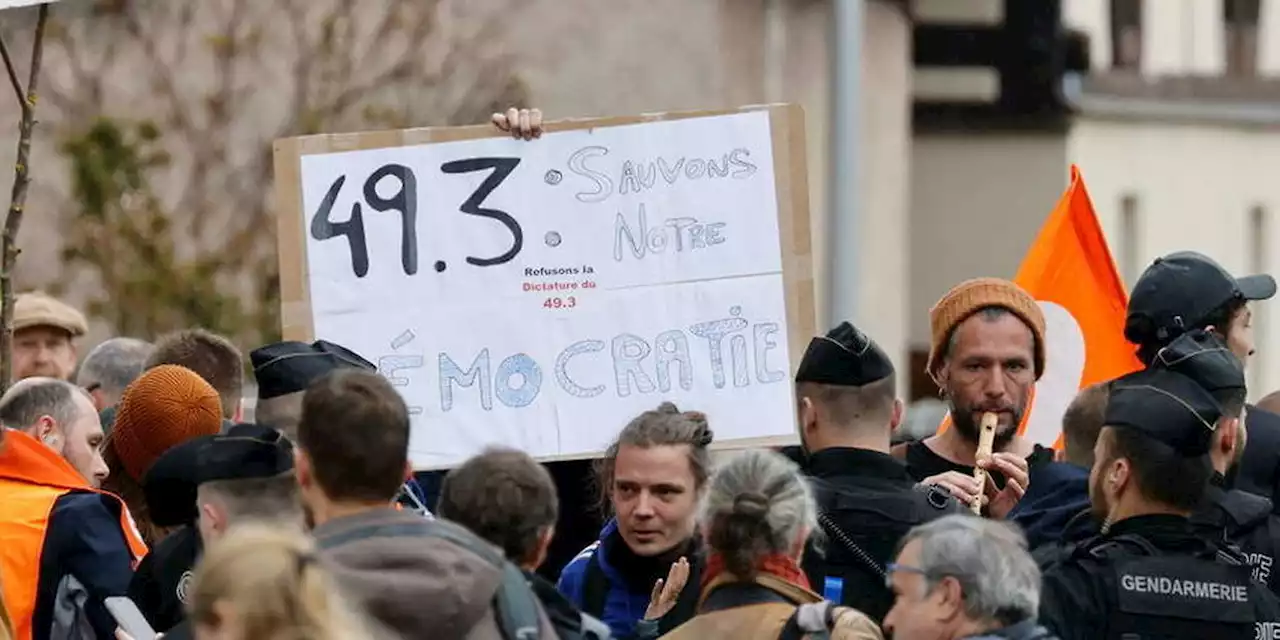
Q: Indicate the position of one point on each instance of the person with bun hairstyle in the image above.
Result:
(647, 563)
(757, 517)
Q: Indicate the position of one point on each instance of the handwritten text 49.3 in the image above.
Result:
(404, 200)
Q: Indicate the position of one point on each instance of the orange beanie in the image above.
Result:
(967, 298)
(164, 407)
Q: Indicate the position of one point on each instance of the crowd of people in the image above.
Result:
(135, 498)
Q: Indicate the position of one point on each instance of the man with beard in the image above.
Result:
(987, 353)
(1149, 574)
(866, 499)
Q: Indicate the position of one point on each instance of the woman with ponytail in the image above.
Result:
(757, 516)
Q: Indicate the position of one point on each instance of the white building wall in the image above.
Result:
(1269, 40)
(1179, 37)
(1195, 187)
(977, 202)
(1093, 17)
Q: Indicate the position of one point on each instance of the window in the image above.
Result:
(1126, 34)
(1240, 21)
(1128, 263)
(1258, 244)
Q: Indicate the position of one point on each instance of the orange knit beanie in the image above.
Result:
(164, 407)
(967, 298)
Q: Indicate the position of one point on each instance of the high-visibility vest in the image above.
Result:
(32, 478)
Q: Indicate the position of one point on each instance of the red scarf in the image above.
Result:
(776, 565)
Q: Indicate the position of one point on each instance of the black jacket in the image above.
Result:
(1231, 517)
(159, 586)
(1162, 570)
(868, 502)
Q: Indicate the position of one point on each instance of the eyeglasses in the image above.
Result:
(893, 568)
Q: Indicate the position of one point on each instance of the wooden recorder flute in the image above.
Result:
(986, 438)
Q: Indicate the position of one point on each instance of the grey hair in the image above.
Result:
(30, 399)
(998, 578)
(757, 503)
(114, 364)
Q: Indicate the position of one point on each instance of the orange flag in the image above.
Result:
(1069, 271)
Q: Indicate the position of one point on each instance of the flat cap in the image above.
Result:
(39, 309)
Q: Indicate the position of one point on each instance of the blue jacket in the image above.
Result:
(622, 608)
(83, 541)
(1058, 492)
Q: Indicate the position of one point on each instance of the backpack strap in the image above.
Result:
(595, 586)
(515, 604)
(814, 620)
(594, 629)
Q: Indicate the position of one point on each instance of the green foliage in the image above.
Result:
(122, 230)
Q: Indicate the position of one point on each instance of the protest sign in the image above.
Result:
(541, 294)
(13, 4)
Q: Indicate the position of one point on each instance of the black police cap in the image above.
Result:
(1204, 357)
(1166, 406)
(288, 367)
(1179, 291)
(244, 451)
(844, 357)
(169, 486)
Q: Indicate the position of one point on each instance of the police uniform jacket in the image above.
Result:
(868, 502)
(1153, 575)
(1235, 518)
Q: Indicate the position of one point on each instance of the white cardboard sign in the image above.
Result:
(541, 294)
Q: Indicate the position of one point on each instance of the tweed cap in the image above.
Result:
(38, 309)
(166, 406)
(967, 298)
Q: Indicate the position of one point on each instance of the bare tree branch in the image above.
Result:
(13, 73)
(21, 180)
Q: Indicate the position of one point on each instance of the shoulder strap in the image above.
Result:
(594, 629)
(595, 587)
(814, 620)
(1127, 541)
(858, 552)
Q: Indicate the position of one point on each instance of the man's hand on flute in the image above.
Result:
(1014, 470)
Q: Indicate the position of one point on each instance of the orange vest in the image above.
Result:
(32, 478)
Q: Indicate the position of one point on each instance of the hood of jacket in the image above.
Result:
(1259, 468)
(1057, 492)
(415, 584)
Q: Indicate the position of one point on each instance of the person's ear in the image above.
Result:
(46, 430)
(542, 547)
(895, 419)
(1229, 428)
(213, 516)
(808, 415)
(302, 468)
(950, 595)
(1118, 475)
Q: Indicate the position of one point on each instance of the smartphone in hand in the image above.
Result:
(129, 618)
